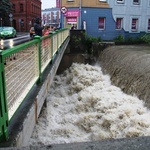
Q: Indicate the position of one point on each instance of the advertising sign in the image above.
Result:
(71, 20)
(72, 13)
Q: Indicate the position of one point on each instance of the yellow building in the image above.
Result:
(85, 3)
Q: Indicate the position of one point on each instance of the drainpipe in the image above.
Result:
(26, 17)
(80, 8)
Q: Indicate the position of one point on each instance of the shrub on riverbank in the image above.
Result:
(146, 38)
(132, 40)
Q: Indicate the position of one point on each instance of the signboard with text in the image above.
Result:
(72, 13)
(71, 20)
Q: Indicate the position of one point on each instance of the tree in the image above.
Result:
(5, 10)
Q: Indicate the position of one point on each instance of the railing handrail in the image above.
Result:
(21, 67)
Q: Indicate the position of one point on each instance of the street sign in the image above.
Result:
(11, 19)
(63, 9)
(10, 15)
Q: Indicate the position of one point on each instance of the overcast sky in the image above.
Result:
(48, 4)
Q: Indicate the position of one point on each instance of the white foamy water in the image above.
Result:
(83, 105)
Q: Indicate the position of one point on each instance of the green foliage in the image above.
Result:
(146, 38)
(76, 39)
(5, 10)
(119, 38)
(133, 40)
(89, 40)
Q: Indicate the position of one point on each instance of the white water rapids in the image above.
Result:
(83, 105)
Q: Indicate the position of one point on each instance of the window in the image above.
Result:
(101, 23)
(119, 23)
(103, 0)
(148, 27)
(21, 7)
(120, 1)
(14, 7)
(136, 2)
(134, 26)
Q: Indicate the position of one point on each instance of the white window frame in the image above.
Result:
(137, 24)
(103, 0)
(148, 25)
(120, 1)
(121, 26)
(136, 3)
(103, 23)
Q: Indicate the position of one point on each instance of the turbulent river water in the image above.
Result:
(83, 105)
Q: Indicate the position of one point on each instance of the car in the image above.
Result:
(8, 32)
(1, 29)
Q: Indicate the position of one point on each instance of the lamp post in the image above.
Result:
(80, 8)
(10, 19)
(1, 19)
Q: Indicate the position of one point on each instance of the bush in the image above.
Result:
(119, 38)
(146, 38)
(89, 40)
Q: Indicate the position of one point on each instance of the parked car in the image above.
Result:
(8, 32)
(1, 29)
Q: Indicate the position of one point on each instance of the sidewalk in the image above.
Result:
(22, 33)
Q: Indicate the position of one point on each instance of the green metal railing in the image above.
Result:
(21, 67)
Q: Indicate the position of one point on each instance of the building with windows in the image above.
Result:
(51, 16)
(133, 16)
(24, 14)
(107, 18)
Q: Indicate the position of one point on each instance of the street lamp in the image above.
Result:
(80, 8)
(1, 19)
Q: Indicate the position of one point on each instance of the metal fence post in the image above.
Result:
(39, 56)
(3, 103)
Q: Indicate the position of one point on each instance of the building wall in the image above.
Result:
(128, 10)
(25, 18)
(51, 16)
(91, 11)
(84, 3)
(91, 16)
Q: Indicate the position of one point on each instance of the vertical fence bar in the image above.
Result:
(3, 103)
(39, 54)
(52, 49)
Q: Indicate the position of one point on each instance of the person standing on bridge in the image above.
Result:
(37, 27)
(46, 30)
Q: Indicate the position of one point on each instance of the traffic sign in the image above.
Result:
(10, 15)
(11, 19)
(64, 9)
